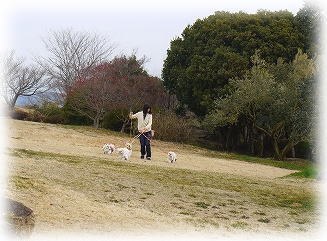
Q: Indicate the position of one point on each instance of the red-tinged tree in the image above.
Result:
(136, 86)
(93, 95)
(121, 85)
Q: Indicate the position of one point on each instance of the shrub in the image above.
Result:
(72, 117)
(303, 149)
(36, 116)
(170, 127)
(111, 121)
(55, 119)
(19, 114)
(48, 112)
(49, 108)
(51, 112)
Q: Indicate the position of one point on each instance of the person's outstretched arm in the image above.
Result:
(131, 116)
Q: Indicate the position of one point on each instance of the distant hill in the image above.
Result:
(25, 100)
(30, 100)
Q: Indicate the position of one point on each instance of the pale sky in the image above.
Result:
(148, 26)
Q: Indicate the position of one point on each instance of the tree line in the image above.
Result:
(249, 78)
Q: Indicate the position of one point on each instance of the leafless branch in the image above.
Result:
(71, 55)
(21, 80)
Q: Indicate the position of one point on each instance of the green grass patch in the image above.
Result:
(239, 225)
(308, 172)
(202, 204)
(22, 182)
(299, 164)
(293, 213)
(187, 213)
(25, 183)
(49, 155)
(302, 221)
(192, 195)
(264, 220)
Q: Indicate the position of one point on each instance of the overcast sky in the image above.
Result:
(148, 26)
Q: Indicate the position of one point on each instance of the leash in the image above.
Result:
(137, 136)
(146, 137)
(130, 130)
(151, 141)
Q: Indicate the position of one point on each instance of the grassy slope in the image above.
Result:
(267, 193)
(198, 196)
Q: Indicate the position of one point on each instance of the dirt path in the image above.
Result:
(51, 138)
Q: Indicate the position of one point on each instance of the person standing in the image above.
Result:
(144, 123)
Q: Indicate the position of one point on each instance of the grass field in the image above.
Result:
(61, 173)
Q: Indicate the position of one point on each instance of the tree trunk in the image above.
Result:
(168, 101)
(122, 130)
(13, 102)
(246, 135)
(261, 146)
(227, 139)
(286, 149)
(293, 152)
(96, 122)
(252, 135)
(252, 146)
(278, 154)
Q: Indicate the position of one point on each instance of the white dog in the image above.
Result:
(172, 157)
(108, 148)
(126, 152)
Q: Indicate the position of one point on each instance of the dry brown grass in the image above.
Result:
(62, 175)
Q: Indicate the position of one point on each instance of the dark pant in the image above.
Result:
(145, 144)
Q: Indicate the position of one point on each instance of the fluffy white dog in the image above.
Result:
(108, 148)
(172, 157)
(126, 152)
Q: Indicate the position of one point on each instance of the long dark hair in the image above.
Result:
(145, 109)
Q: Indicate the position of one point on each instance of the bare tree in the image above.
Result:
(21, 80)
(71, 55)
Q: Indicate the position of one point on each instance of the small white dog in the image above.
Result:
(108, 148)
(126, 152)
(172, 157)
